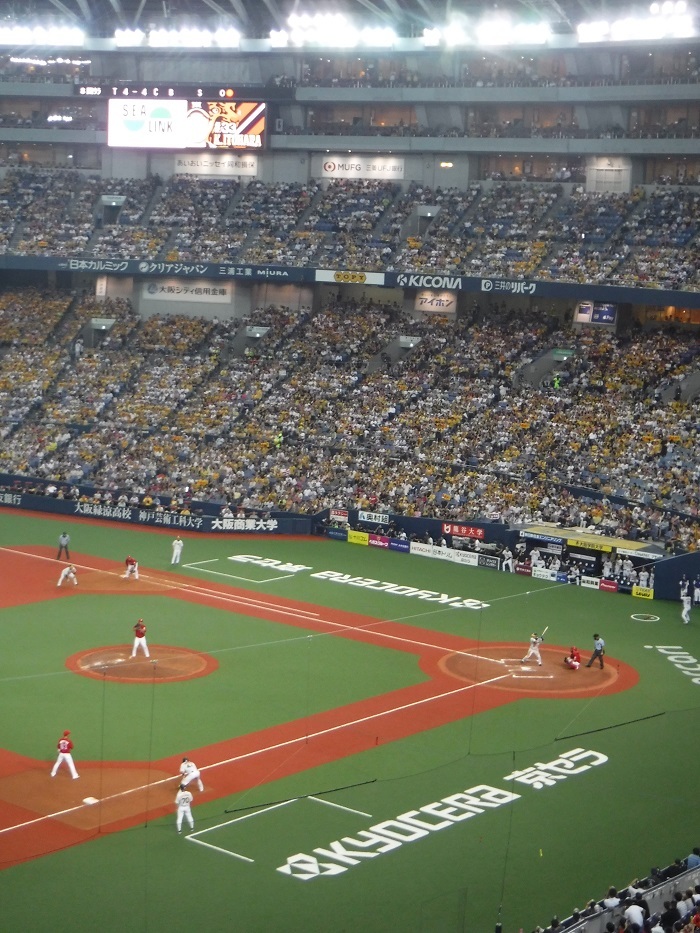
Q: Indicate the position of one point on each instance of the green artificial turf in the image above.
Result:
(546, 852)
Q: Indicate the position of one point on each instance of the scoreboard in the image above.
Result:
(129, 90)
(182, 123)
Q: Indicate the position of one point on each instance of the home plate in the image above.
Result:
(90, 801)
(532, 676)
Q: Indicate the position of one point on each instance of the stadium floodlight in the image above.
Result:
(379, 37)
(598, 31)
(431, 38)
(503, 31)
(125, 38)
(187, 38)
(227, 38)
(494, 31)
(279, 39)
(458, 33)
(632, 27)
(330, 30)
(62, 36)
(660, 25)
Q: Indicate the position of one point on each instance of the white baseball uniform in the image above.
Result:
(68, 573)
(177, 550)
(140, 640)
(190, 772)
(65, 747)
(534, 650)
(183, 800)
(685, 613)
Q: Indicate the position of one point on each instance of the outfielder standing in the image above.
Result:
(190, 772)
(65, 747)
(140, 639)
(68, 573)
(534, 650)
(177, 550)
(183, 801)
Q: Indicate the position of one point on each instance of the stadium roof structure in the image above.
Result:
(256, 18)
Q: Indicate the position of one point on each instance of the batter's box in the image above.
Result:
(270, 835)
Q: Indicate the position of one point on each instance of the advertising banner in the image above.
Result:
(440, 302)
(379, 541)
(468, 558)
(358, 537)
(589, 543)
(363, 166)
(373, 518)
(533, 536)
(462, 531)
(543, 573)
(341, 277)
(199, 290)
(643, 592)
(337, 534)
(485, 560)
(217, 164)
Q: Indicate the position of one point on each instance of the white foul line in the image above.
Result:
(269, 748)
(338, 806)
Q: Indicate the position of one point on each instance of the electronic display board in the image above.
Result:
(595, 312)
(177, 123)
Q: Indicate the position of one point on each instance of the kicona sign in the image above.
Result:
(449, 282)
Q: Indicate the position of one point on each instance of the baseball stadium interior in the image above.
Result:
(371, 259)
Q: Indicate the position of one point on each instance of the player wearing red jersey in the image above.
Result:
(65, 748)
(132, 568)
(140, 639)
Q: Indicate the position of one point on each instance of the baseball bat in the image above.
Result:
(544, 631)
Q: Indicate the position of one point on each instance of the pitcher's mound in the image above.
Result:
(166, 664)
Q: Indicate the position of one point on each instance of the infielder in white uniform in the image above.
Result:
(190, 772)
(65, 747)
(68, 573)
(534, 650)
(183, 801)
(177, 550)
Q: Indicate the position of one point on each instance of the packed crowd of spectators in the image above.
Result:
(485, 70)
(326, 410)
(664, 902)
(490, 229)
